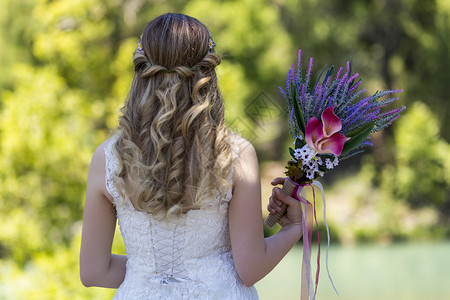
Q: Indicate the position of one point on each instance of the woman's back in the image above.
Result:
(189, 255)
(173, 157)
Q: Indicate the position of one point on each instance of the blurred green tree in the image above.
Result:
(423, 166)
(16, 31)
(394, 43)
(63, 103)
(257, 52)
(66, 69)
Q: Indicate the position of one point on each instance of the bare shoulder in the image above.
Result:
(97, 166)
(97, 171)
(99, 153)
(98, 158)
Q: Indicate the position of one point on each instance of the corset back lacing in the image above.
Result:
(168, 242)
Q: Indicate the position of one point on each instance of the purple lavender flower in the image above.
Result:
(342, 92)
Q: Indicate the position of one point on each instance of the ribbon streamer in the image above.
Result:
(307, 232)
(319, 185)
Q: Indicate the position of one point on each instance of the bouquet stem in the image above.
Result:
(288, 188)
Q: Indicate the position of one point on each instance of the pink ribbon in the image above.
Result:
(307, 232)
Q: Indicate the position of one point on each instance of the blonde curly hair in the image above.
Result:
(173, 146)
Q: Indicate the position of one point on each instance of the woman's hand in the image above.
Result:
(293, 215)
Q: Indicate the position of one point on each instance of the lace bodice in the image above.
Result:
(187, 258)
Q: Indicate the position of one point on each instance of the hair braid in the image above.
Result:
(173, 147)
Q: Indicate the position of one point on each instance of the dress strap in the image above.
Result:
(111, 164)
(234, 144)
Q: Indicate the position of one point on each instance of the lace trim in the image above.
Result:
(234, 146)
(111, 164)
(235, 154)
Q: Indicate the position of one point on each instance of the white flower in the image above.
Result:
(329, 164)
(306, 154)
(139, 45)
(310, 174)
(310, 168)
(319, 161)
(306, 158)
(335, 161)
(321, 173)
(297, 154)
(312, 165)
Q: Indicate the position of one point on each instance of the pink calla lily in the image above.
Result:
(323, 137)
(313, 131)
(331, 122)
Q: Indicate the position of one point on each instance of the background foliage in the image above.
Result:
(66, 69)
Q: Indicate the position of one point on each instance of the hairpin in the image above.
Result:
(211, 45)
(139, 45)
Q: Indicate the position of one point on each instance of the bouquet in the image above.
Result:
(329, 122)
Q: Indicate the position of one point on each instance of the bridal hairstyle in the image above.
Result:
(173, 147)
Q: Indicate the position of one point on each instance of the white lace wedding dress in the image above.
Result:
(189, 258)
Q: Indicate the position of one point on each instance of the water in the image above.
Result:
(406, 271)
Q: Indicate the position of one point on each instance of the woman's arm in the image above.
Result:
(255, 256)
(98, 267)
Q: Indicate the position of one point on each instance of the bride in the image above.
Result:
(185, 190)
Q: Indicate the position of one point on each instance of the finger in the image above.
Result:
(283, 197)
(274, 204)
(278, 180)
(273, 209)
(276, 201)
(274, 197)
(269, 206)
